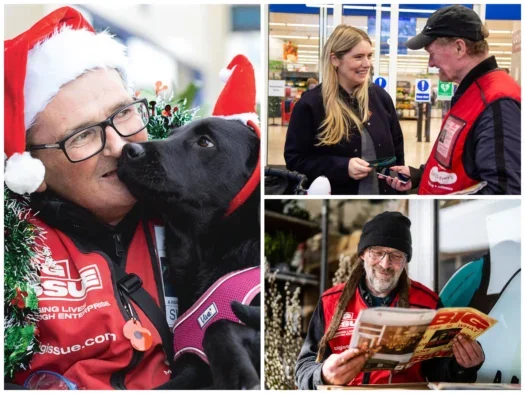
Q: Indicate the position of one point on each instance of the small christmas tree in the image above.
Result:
(167, 114)
(274, 109)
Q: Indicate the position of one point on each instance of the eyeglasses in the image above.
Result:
(377, 255)
(89, 141)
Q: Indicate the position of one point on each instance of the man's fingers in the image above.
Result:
(350, 353)
(345, 366)
(471, 347)
(462, 352)
(402, 169)
(353, 365)
(397, 185)
(345, 358)
(457, 355)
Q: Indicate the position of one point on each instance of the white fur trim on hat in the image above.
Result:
(23, 173)
(244, 118)
(225, 74)
(61, 59)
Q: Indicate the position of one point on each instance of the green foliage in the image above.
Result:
(168, 115)
(21, 257)
(292, 208)
(19, 346)
(188, 94)
(275, 64)
(280, 247)
(274, 107)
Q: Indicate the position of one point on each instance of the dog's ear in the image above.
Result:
(249, 315)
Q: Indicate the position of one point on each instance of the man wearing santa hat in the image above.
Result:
(69, 110)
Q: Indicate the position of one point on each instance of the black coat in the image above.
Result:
(303, 156)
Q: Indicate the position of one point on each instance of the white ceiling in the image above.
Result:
(303, 30)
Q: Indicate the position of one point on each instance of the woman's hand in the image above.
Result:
(343, 367)
(358, 168)
(395, 183)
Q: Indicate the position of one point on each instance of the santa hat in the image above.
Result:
(56, 50)
(237, 102)
(237, 99)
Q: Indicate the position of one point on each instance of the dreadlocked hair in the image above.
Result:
(348, 292)
(358, 271)
(403, 286)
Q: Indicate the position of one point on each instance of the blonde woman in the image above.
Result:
(345, 124)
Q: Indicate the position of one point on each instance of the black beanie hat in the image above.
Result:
(388, 229)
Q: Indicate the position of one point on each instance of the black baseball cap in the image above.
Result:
(450, 21)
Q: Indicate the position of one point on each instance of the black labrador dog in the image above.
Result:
(190, 178)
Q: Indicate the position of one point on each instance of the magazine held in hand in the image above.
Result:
(400, 337)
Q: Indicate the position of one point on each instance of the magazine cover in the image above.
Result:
(448, 322)
(400, 337)
(391, 333)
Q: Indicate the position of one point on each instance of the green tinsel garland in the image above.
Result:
(22, 256)
(168, 115)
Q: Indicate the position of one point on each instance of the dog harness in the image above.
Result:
(212, 306)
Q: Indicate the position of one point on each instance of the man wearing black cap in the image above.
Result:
(379, 278)
(478, 148)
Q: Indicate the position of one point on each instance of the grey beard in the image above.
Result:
(380, 285)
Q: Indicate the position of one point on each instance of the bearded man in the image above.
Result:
(379, 279)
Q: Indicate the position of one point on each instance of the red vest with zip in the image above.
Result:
(81, 330)
(419, 296)
(444, 171)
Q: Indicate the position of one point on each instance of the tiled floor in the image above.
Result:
(416, 153)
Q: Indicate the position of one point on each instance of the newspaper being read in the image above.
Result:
(400, 337)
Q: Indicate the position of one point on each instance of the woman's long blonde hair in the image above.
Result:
(339, 117)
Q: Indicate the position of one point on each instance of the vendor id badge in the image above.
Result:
(447, 140)
(171, 302)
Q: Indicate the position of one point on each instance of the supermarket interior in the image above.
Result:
(297, 33)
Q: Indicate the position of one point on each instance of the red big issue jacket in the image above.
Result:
(81, 331)
(444, 171)
(419, 296)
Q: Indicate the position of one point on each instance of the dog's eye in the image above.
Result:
(205, 142)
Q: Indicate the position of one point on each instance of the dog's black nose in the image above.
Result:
(133, 150)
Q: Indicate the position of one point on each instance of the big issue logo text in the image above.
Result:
(59, 283)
